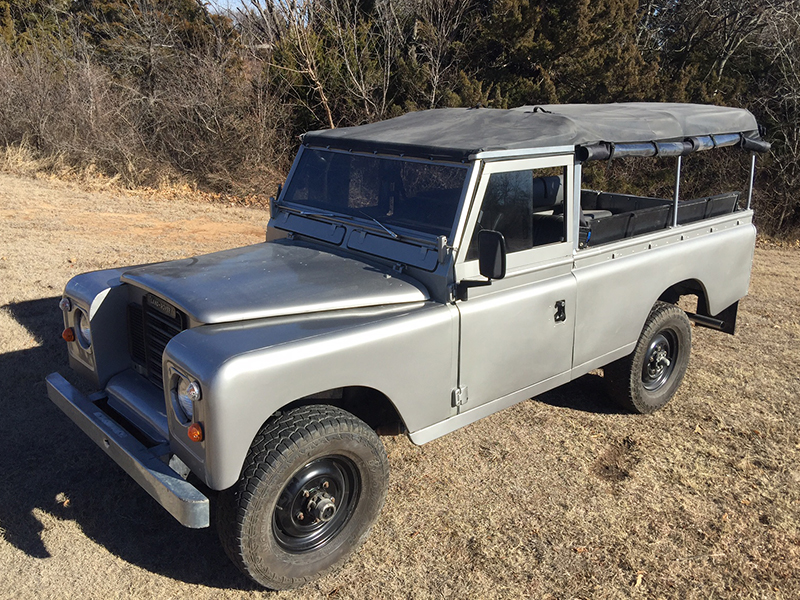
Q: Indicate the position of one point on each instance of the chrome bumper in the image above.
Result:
(180, 498)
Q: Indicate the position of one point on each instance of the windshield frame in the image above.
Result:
(404, 233)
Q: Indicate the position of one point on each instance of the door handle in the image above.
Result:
(561, 312)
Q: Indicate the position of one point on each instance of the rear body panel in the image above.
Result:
(618, 284)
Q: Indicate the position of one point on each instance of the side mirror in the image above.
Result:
(491, 261)
(491, 254)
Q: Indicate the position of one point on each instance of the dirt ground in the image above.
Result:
(562, 496)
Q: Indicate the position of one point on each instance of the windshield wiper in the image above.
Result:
(324, 215)
(381, 225)
(304, 213)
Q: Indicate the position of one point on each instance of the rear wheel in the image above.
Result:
(645, 380)
(313, 483)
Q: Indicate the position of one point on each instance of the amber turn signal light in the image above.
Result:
(68, 334)
(195, 432)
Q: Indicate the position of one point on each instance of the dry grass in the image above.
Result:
(21, 160)
(558, 497)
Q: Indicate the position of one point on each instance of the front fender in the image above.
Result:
(249, 371)
(103, 298)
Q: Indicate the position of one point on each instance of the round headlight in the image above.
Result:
(84, 331)
(188, 393)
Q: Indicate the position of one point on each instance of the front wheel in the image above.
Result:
(646, 379)
(313, 483)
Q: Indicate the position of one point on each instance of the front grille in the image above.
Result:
(136, 343)
(151, 327)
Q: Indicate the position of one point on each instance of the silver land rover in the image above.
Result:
(418, 274)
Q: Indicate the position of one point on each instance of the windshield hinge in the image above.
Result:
(452, 290)
(460, 396)
(442, 249)
(398, 268)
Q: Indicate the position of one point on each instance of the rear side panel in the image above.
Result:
(619, 283)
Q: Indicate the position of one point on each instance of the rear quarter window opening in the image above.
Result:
(633, 195)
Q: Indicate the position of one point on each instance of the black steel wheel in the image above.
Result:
(646, 380)
(316, 504)
(313, 484)
(659, 360)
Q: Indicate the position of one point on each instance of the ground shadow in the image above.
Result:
(47, 463)
(586, 394)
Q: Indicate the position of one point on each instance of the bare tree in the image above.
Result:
(290, 25)
(682, 28)
(367, 50)
(780, 39)
(438, 31)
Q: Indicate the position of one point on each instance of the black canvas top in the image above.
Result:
(457, 133)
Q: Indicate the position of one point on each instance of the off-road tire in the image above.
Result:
(637, 382)
(257, 535)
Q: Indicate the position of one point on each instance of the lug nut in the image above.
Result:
(306, 493)
(333, 500)
(325, 484)
(300, 516)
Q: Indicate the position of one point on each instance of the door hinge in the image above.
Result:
(460, 396)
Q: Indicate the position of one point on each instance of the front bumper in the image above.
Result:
(180, 498)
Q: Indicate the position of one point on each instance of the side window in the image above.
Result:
(527, 207)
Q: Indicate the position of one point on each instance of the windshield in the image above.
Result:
(416, 195)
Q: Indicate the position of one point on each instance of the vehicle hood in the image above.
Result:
(272, 279)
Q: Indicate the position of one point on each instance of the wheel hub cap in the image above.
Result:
(659, 361)
(322, 507)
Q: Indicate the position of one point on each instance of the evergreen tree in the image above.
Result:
(563, 51)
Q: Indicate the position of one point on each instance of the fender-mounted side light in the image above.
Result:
(68, 334)
(195, 432)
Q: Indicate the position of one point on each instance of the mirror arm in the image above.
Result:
(464, 285)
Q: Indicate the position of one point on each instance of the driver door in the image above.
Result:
(517, 333)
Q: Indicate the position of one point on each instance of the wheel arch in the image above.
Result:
(687, 287)
(368, 404)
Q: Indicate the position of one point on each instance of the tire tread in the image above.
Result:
(277, 440)
(622, 378)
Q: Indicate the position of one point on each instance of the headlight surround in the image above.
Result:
(187, 392)
(84, 330)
